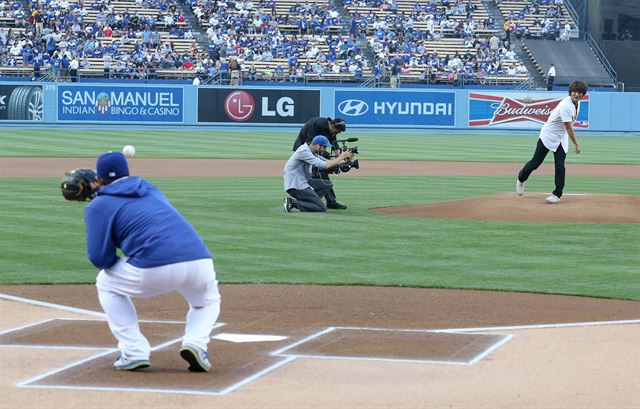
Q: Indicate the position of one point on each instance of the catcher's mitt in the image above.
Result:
(76, 184)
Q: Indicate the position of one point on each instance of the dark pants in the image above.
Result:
(320, 178)
(538, 157)
(550, 81)
(310, 199)
(74, 75)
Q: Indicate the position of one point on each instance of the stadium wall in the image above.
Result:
(30, 104)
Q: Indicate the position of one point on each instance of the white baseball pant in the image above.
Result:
(194, 280)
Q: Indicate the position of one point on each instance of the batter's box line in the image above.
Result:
(67, 308)
(281, 352)
(225, 391)
(106, 351)
(84, 361)
(84, 347)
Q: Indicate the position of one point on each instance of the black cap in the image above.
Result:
(340, 124)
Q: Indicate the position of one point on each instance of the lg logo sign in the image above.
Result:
(240, 106)
(353, 107)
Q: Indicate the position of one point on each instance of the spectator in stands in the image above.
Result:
(253, 73)
(234, 72)
(566, 32)
(107, 65)
(551, 77)
(73, 69)
(626, 36)
(521, 69)
(394, 79)
(268, 73)
(494, 43)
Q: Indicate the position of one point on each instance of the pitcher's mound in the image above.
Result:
(574, 208)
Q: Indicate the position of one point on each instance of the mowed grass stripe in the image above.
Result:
(254, 241)
(267, 144)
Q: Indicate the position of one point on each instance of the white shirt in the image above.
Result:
(553, 132)
(552, 71)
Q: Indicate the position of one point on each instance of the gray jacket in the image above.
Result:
(297, 171)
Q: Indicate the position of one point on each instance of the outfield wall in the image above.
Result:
(173, 105)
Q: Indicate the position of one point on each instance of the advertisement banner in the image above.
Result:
(519, 109)
(398, 108)
(282, 106)
(21, 103)
(120, 104)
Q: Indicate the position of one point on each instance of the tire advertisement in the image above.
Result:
(21, 103)
(268, 106)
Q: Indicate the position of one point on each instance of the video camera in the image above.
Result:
(349, 163)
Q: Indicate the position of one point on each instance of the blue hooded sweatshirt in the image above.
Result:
(135, 216)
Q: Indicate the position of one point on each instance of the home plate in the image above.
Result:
(225, 336)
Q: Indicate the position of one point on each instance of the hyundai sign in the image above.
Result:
(120, 104)
(398, 108)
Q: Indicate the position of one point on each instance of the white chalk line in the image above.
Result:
(123, 389)
(489, 350)
(503, 339)
(65, 367)
(540, 326)
(52, 305)
(302, 341)
(280, 352)
(25, 326)
(376, 359)
(257, 375)
(62, 347)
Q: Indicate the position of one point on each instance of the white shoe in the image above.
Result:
(197, 358)
(124, 364)
(519, 187)
(552, 199)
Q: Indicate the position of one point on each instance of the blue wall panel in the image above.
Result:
(607, 111)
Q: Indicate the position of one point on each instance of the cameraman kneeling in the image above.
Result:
(297, 173)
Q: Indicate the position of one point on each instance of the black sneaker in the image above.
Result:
(287, 204)
(336, 205)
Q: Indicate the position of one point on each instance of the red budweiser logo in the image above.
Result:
(513, 110)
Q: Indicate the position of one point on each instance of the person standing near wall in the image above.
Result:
(394, 80)
(73, 69)
(551, 77)
(107, 64)
(554, 136)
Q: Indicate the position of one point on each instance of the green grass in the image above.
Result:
(254, 241)
(42, 237)
(258, 143)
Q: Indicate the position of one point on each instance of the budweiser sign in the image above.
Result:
(512, 111)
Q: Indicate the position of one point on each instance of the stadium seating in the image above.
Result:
(280, 40)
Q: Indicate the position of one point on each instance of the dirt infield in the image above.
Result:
(344, 347)
(573, 208)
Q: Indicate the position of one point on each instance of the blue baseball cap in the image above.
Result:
(112, 165)
(321, 140)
